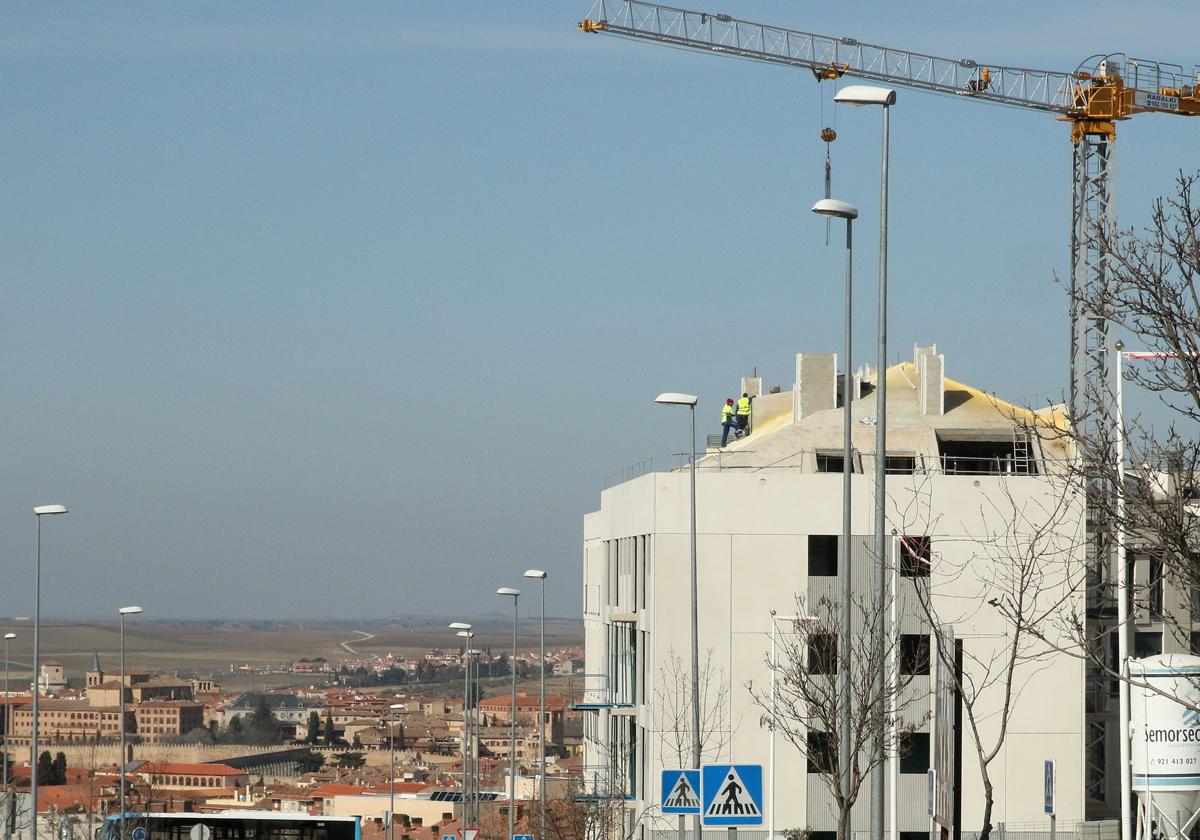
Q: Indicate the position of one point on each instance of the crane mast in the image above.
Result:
(1092, 100)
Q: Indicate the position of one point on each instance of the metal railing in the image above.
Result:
(593, 691)
(634, 470)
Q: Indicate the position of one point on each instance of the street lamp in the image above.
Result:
(832, 208)
(122, 612)
(540, 574)
(38, 512)
(864, 95)
(464, 630)
(392, 778)
(515, 594)
(690, 401)
(8, 637)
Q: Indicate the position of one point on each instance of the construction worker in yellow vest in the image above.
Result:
(728, 420)
(743, 415)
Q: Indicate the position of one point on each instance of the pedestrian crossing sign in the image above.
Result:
(731, 794)
(680, 792)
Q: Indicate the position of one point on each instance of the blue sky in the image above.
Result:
(347, 309)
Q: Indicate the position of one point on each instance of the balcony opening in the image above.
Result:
(967, 453)
(900, 465)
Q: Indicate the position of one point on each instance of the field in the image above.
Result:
(189, 648)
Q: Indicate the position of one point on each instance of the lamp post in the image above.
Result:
(1122, 600)
(464, 630)
(474, 655)
(392, 762)
(540, 574)
(832, 208)
(862, 95)
(690, 401)
(38, 512)
(515, 594)
(122, 612)
(8, 637)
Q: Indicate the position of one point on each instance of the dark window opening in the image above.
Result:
(822, 555)
(1147, 644)
(821, 752)
(1195, 643)
(831, 463)
(984, 457)
(914, 655)
(912, 835)
(914, 753)
(900, 465)
(916, 555)
(1156, 586)
(822, 653)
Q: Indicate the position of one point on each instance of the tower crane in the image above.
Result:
(1099, 93)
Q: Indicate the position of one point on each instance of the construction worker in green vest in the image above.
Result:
(743, 415)
(728, 420)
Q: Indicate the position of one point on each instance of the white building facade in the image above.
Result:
(969, 480)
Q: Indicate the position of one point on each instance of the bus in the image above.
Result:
(231, 825)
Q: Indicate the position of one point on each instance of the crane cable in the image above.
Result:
(828, 134)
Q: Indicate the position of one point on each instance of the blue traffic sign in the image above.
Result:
(449, 837)
(731, 794)
(522, 837)
(1048, 787)
(680, 792)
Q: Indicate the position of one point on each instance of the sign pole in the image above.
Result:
(682, 827)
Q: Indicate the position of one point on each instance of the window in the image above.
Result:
(900, 465)
(822, 653)
(1147, 644)
(914, 654)
(915, 556)
(822, 555)
(821, 752)
(914, 753)
(829, 463)
(1195, 642)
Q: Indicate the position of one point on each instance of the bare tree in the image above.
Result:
(673, 710)
(809, 706)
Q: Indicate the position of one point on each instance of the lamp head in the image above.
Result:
(865, 95)
(130, 610)
(49, 510)
(8, 636)
(466, 634)
(459, 625)
(671, 398)
(835, 209)
(508, 590)
(536, 574)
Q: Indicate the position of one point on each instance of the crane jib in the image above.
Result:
(1101, 93)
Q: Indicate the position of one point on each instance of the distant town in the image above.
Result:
(356, 736)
